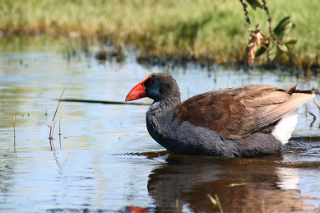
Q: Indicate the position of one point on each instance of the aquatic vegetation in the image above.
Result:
(53, 122)
(205, 31)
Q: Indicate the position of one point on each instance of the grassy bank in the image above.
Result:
(212, 30)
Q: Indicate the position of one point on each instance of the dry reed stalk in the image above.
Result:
(215, 201)
(314, 118)
(316, 104)
(219, 204)
(53, 120)
(59, 133)
(14, 130)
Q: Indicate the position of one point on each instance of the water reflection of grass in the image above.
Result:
(191, 29)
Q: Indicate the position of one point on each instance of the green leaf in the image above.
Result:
(282, 24)
(286, 30)
(280, 28)
(285, 56)
(272, 53)
(254, 4)
(282, 47)
(261, 50)
(289, 40)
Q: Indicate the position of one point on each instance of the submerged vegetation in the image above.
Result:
(206, 31)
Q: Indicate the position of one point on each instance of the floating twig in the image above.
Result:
(101, 102)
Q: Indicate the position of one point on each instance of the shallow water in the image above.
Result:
(105, 161)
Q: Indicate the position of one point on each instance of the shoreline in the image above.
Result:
(202, 31)
(72, 44)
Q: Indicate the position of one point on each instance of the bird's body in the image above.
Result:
(239, 122)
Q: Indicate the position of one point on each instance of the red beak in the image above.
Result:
(137, 91)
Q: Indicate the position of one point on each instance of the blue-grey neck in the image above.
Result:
(158, 112)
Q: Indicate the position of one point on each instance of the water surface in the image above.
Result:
(105, 161)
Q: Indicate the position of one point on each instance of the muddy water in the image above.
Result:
(105, 161)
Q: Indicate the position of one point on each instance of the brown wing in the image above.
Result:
(238, 112)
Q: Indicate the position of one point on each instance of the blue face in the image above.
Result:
(161, 86)
(152, 87)
(153, 91)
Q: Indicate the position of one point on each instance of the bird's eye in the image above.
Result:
(150, 83)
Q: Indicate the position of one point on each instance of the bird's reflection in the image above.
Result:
(242, 185)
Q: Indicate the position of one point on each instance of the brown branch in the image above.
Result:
(264, 46)
(266, 36)
(245, 8)
(269, 17)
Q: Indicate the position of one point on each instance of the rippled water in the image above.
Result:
(105, 161)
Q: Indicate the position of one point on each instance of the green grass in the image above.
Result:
(213, 29)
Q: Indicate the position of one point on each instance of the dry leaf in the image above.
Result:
(254, 41)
